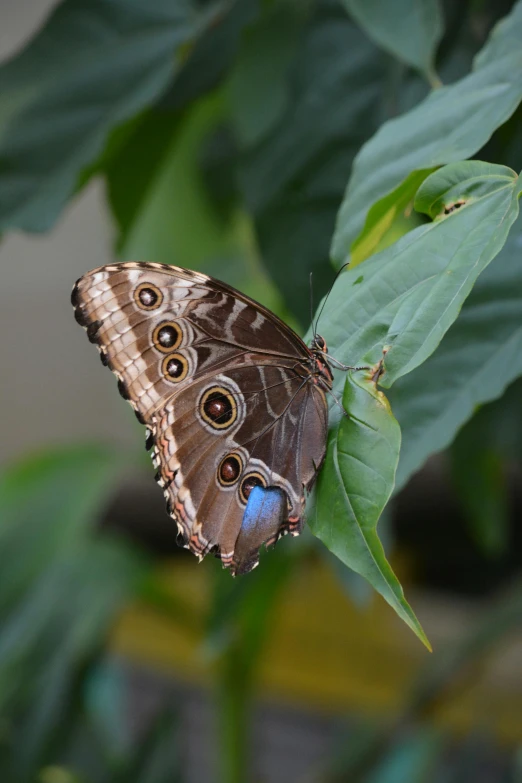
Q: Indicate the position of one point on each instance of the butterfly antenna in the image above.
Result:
(327, 295)
(312, 304)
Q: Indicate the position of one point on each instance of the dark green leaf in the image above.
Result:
(452, 124)
(93, 65)
(158, 195)
(212, 55)
(499, 423)
(132, 166)
(336, 87)
(479, 477)
(477, 359)
(60, 593)
(408, 29)
(259, 86)
(47, 503)
(319, 111)
(169, 217)
(355, 485)
(157, 758)
(75, 601)
(293, 237)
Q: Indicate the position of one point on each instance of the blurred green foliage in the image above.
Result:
(247, 138)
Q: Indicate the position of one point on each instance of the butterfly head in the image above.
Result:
(322, 371)
(318, 344)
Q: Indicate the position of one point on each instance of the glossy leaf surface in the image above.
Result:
(451, 124)
(355, 485)
(396, 308)
(406, 297)
(475, 362)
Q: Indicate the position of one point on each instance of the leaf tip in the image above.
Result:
(412, 622)
(424, 639)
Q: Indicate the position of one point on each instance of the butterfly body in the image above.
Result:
(233, 401)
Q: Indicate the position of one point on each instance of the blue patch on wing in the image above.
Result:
(265, 505)
(264, 514)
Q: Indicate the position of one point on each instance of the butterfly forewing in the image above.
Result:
(236, 423)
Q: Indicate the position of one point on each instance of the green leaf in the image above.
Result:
(157, 758)
(336, 96)
(212, 56)
(477, 359)
(258, 89)
(159, 198)
(164, 211)
(451, 124)
(355, 485)
(499, 423)
(405, 298)
(319, 111)
(93, 65)
(50, 501)
(50, 636)
(478, 474)
(55, 582)
(293, 236)
(385, 214)
(409, 29)
(461, 184)
(60, 592)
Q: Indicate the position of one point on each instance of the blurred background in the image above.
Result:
(121, 658)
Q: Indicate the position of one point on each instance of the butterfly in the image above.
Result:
(233, 401)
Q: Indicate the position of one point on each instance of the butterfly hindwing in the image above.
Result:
(223, 387)
(210, 459)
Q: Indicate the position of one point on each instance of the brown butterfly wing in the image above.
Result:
(211, 317)
(223, 386)
(208, 473)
